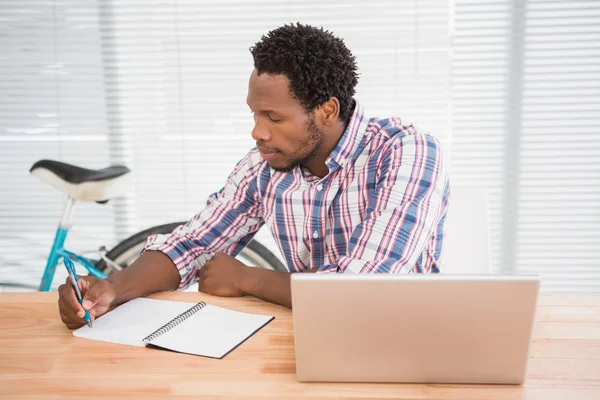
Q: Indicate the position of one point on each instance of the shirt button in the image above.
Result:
(315, 234)
(320, 187)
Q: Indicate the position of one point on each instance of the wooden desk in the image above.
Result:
(40, 359)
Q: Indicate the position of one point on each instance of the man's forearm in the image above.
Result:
(152, 272)
(272, 286)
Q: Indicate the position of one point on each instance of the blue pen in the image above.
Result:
(71, 270)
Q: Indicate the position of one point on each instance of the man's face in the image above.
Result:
(285, 134)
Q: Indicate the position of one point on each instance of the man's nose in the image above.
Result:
(260, 132)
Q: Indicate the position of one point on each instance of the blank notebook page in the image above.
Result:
(212, 332)
(131, 322)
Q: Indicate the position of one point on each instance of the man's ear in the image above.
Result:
(329, 111)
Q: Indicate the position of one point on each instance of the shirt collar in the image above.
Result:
(350, 140)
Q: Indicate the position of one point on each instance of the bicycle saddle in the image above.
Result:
(83, 184)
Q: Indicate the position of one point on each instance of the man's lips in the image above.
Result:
(265, 150)
(267, 154)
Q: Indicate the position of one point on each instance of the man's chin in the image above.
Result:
(281, 168)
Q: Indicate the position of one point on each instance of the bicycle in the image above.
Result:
(100, 186)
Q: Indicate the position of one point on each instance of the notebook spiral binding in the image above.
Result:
(174, 322)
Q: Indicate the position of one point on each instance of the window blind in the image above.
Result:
(52, 106)
(526, 101)
(559, 199)
(169, 82)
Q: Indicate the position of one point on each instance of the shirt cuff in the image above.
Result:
(188, 264)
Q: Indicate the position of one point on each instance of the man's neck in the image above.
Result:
(316, 165)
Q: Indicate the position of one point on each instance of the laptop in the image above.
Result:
(413, 328)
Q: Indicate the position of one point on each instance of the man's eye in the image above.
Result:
(274, 119)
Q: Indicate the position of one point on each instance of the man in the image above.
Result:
(339, 192)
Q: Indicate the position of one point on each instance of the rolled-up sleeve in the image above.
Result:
(227, 224)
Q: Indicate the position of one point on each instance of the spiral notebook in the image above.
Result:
(192, 328)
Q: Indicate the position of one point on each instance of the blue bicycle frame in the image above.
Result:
(58, 251)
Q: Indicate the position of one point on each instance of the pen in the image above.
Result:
(71, 270)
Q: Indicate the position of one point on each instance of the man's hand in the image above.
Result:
(98, 296)
(222, 275)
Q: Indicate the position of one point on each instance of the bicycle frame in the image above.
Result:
(58, 251)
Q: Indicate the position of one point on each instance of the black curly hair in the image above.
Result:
(318, 65)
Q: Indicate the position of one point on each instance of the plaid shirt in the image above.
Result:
(381, 208)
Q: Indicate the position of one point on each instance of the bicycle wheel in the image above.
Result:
(126, 252)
